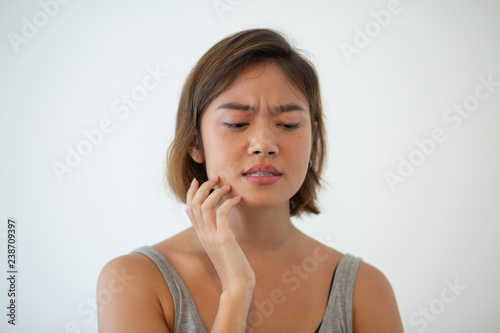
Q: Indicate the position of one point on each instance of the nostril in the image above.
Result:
(263, 149)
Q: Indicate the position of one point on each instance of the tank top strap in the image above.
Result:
(187, 318)
(338, 315)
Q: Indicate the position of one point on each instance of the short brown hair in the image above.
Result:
(215, 72)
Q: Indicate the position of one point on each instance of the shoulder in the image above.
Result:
(127, 296)
(125, 274)
(305, 244)
(374, 304)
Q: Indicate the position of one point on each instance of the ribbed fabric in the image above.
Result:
(338, 315)
(337, 318)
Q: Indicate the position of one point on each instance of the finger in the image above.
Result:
(189, 204)
(222, 212)
(202, 192)
(208, 208)
(191, 190)
(199, 198)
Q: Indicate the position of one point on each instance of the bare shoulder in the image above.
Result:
(320, 250)
(132, 294)
(374, 303)
(127, 296)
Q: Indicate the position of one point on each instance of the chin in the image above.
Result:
(262, 201)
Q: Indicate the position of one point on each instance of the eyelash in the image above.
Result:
(287, 126)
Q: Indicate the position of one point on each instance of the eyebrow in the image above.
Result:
(278, 109)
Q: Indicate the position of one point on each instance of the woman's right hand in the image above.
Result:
(211, 225)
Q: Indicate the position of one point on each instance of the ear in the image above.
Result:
(194, 150)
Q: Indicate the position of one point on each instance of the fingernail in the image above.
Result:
(192, 182)
(225, 187)
(214, 178)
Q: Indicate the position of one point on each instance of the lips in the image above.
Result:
(262, 174)
(262, 170)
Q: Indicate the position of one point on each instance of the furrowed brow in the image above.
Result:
(288, 107)
(278, 109)
(235, 106)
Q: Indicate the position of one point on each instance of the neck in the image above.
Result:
(263, 229)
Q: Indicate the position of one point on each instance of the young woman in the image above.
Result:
(247, 156)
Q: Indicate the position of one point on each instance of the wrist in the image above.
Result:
(232, 313)
(235, 294)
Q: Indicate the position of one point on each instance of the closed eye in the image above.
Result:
(235, 125)
(290, 126)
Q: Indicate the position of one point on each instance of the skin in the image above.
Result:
(243, 259)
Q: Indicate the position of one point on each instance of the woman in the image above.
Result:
(247, 156)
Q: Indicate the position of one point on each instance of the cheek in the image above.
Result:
(301, 145)
(221, 158)
(299, 153)
(219, 147)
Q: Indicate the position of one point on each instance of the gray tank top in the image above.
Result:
(337, 318)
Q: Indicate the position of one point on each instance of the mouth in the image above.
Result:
(260, 170)
(262, 174)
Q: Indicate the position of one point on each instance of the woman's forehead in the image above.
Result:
(264, 79)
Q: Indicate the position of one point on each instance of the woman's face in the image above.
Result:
(259, 120)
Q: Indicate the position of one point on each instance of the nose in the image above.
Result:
(263, 142)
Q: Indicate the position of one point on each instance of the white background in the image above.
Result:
(440, 224)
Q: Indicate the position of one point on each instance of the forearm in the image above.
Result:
(233, 312)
